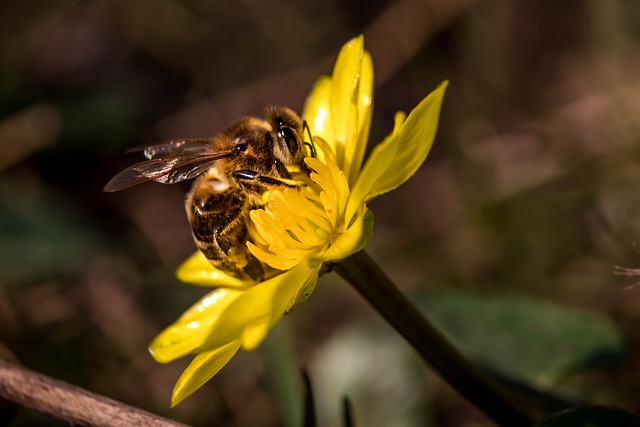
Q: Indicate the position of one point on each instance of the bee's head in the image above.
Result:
(287, 131)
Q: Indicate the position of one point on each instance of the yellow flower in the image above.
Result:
(299, 230)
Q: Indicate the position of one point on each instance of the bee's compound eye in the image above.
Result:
(290, 138)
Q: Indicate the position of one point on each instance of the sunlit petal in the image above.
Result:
(254, 333)
(190, 332)
(265, 303)
(415, 138)
(344, 99)
(399, 156)
(317, 110)
(197, 270)
(355, 149)
(203, 367)
(377, 163)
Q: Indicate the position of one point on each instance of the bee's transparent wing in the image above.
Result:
(174, 148)
(169, 163)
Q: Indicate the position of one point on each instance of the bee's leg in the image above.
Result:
(252, 176)
(220, 232)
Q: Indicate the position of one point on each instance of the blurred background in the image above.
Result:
(527, 202)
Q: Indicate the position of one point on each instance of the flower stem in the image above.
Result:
(374, 285)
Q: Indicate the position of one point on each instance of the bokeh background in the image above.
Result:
(531, 192)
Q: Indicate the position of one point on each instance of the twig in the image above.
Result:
(70, 403)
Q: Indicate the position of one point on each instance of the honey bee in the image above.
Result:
(233, 170)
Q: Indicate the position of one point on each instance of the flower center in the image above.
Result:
(298, 225)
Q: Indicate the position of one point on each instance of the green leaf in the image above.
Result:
(591, 416)
(526, 339)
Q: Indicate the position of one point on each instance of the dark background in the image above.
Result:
(531, 188)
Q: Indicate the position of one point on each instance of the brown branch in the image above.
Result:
(70, 403)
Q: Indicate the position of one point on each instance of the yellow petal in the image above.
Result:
(378, 162)
(304, 290)
(197, 270)
(261, 307)
(415, 138)
(344, 99)
(190, 332)
(399, 156)
(365, 111)
(255, 333)
(317, 110)
(203, 367)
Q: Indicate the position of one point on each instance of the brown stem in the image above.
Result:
(376, 287)
(70, 403)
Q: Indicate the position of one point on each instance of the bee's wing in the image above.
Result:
(175, 148)
(169, 163)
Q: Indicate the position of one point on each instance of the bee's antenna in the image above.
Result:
(312, 149)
